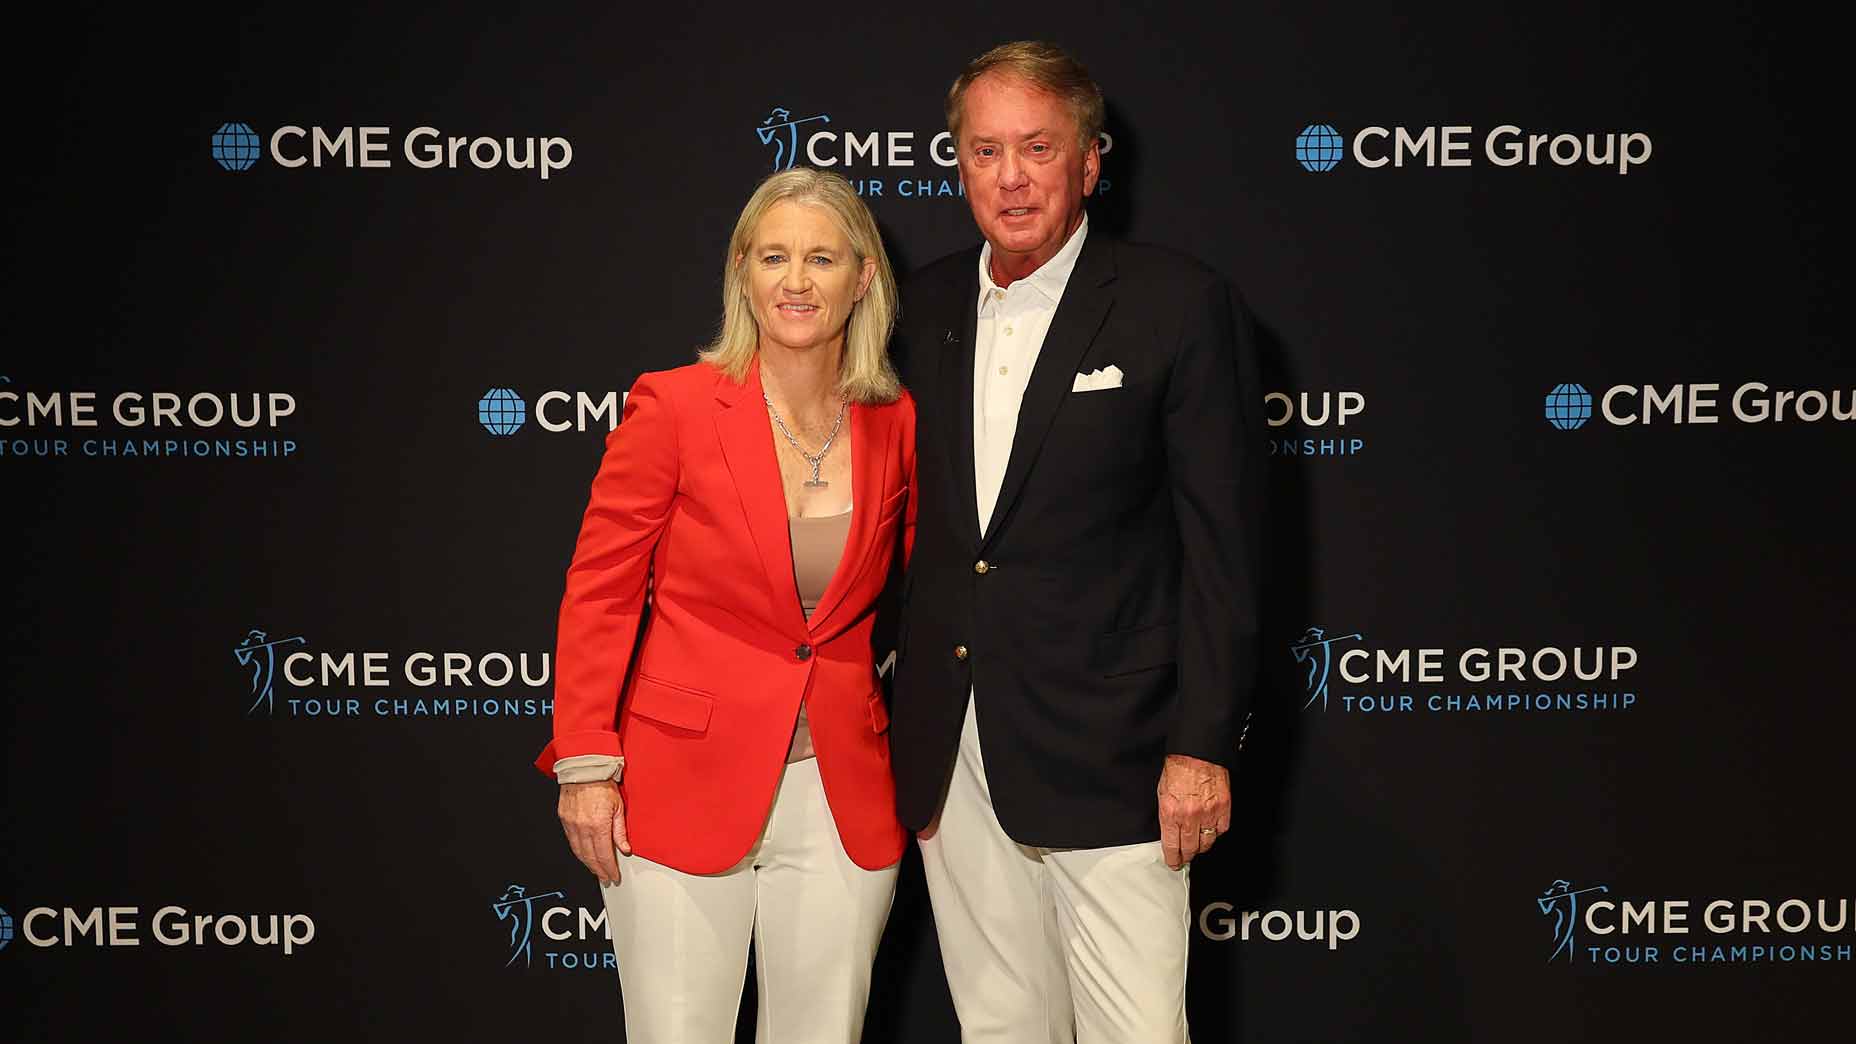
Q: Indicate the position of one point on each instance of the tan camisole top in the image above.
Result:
(818, 543)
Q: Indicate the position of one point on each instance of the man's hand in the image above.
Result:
(593, 817)
(1195, 807)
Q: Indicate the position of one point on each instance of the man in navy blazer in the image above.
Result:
(1078, 640)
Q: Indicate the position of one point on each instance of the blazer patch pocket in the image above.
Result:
(671, 705)
(1135, 649)
(892, 505)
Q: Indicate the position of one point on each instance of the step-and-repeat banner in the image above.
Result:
(319, 319)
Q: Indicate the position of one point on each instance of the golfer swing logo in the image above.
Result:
(259, 653)
(785, 146)
(518, 908)
(1561, 902)
(1316, 650)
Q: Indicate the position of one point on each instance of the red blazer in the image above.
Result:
(688, 497)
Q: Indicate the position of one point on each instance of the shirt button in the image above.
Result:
(1008, 331)
(980, 567)
(960, 652)
(1002, 371)
(803, 653)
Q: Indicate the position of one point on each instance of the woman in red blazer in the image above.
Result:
(724, 767)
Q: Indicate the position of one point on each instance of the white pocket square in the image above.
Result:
(1097, 380)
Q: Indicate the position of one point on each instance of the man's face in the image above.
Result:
(1025, 173)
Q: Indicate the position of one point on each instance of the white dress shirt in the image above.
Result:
(1012, 325)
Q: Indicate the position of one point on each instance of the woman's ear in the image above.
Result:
(864, 278)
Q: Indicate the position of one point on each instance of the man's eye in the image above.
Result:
(984, 152)
(1040, 147)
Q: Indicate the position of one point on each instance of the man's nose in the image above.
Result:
(1012, 171)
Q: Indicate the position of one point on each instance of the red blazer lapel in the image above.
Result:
(870, 444)
(747, 448)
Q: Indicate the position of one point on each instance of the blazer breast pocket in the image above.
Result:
(892, 507)
(1133, 393)
(1099, 428)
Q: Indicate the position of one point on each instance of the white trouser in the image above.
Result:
(813, 915)
(1053, 945)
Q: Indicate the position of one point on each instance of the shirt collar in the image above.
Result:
(1050, 278)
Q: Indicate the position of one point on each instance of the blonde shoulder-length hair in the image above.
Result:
(865, 375)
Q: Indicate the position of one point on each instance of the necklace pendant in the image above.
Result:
(815, 483)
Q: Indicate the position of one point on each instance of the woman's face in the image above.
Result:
(802, 277)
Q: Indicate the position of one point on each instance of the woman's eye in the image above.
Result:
(821, 260)
(773, 259)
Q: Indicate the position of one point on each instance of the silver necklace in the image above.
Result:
(816, 460)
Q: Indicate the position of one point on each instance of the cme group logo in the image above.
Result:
(1595, 926)
(502, 412)
(1319, 148)
(236, 146)
(285, 679)
(781, 131)
(880, 163)
(139, 425)
(1569, 406)
(257, 653)
(1480, 681)
(1560, 904)
(572, 937)
(1315, 423)
(123, 927)
(517, 908)
(1315, 652)
(1223, 922)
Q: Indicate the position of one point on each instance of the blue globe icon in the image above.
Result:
(1319, 148)
(6, 929)
(501, 411)
(1569, 406)
(236, 146)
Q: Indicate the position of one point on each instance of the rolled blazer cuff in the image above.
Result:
(589, 768)
(575, 744)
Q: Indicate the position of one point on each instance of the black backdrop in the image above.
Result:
(162, 757)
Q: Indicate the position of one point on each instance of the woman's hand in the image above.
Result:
(593, 816)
